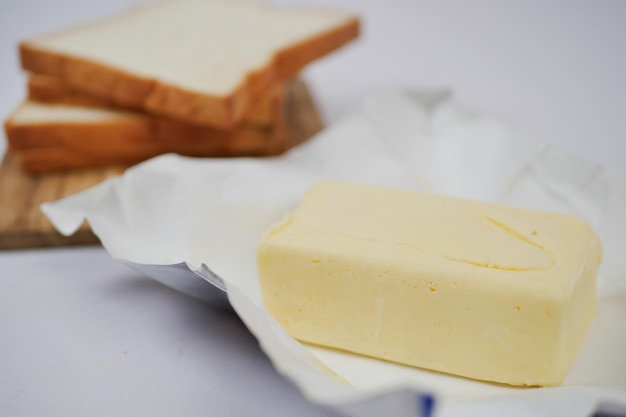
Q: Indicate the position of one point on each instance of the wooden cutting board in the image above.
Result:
(22, 225)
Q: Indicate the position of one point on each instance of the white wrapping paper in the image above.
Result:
(190, 221)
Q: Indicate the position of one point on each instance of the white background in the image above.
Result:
(84, 335)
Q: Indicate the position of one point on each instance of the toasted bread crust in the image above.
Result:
(63, 145)
(159, 98)
(266, 111)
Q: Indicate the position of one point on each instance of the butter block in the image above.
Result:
(474, 289)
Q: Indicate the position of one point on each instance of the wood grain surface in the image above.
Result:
(23, 225)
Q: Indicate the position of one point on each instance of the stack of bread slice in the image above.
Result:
(195, 77)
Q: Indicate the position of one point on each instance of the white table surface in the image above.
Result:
(84, 335)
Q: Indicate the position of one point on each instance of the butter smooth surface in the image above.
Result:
(474, 289)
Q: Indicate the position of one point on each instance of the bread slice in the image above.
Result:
(199, 61)
(48, 137)
(265, 111)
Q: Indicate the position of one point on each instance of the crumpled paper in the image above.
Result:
(195, 223)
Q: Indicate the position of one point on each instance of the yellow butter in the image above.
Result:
(474, 289)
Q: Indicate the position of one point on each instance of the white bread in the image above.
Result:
(265, 111)
(200, 61)
(48, 137)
